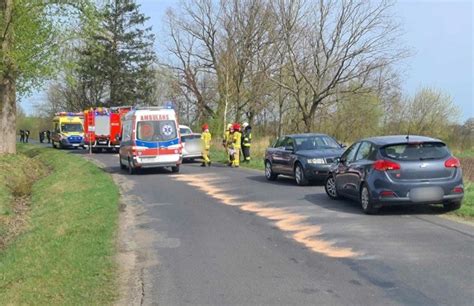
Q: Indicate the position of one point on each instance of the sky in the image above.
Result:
(439, 34)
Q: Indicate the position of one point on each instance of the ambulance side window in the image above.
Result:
(56, 127)
(127, 131)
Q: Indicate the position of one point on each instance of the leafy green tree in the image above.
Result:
(431, 112)
(356, 116)
(31, 33)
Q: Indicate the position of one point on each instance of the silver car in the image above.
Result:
(191, 143)
(397, 170)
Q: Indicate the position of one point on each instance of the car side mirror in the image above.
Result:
(343, 145)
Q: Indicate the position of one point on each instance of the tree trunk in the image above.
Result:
(7, 84)
(308, 123)
(7, 115)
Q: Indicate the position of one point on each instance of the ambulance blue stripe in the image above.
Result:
(156, 144)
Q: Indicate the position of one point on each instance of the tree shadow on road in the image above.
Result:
(353, 207)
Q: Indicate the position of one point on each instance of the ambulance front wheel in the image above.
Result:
(175, 169)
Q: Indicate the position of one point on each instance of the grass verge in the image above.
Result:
(467, 207)
(218, 154)
(65, 255)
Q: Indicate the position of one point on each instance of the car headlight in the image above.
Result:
(317, 161)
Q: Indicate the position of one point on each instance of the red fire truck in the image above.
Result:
(102, 127)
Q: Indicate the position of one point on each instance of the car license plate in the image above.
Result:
(426, 194)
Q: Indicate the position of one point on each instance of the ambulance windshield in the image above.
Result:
(71, 127)
(162, 130)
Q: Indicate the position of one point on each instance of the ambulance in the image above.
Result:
(150, 139)
(68, 131)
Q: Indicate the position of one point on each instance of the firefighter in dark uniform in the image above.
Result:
(246, 141)
(48, 135)
(22, 136)
(41, 136)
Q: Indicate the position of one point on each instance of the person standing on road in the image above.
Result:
(246, 141)
(41, 136)
(22, 136)
(230, 146)
(225, 142)
(48, 135)
(237, 145)
(27, 135)
(206, 145)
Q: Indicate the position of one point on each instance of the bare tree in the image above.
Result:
(329, 44)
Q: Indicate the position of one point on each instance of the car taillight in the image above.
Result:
(387, 194)
(384, 165)
(458, 190)
(453, 162)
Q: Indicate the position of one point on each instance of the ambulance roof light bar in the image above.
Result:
(166, 105)
(151, 107)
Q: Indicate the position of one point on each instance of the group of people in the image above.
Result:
(45, 135)
(24, 135)
(236, 138)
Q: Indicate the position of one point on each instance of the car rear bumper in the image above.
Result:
(102, 144)
(435, 192)
(154, 162)
(408, 201)
(192, 155)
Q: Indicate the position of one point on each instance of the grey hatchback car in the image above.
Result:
(397, 170)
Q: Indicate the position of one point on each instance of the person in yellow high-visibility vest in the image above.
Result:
(206, 145)
(237, 145)
(225, 142)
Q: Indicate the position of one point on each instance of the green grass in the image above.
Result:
(219, 155)
(66, 254)
(463, 154)
(467, 207)
(17, 172)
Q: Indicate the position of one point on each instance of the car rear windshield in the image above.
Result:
(185, 131)
(190, 137)
(416, 151)
(162, 130)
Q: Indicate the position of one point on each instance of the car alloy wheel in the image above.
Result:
(268, 170)
(331, 188)
(364, 198)
(269, 174)
(299, 176)
(366, 201)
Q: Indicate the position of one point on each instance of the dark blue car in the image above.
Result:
(306, 157)
(397, 170)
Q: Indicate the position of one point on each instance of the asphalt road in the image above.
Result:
(222, 236)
